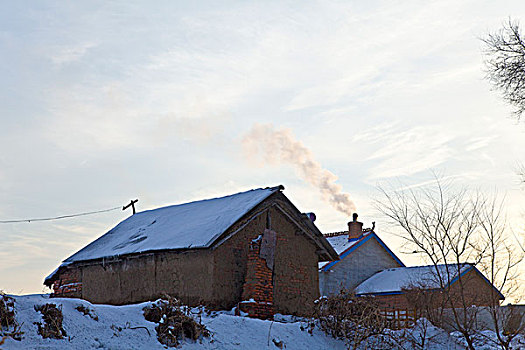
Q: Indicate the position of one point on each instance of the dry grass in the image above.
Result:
(8, 325)
(345, 316)
(174, 322)
(53, 318)
(87, 311)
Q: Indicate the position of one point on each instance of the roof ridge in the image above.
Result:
(341, 233)
(273, 188)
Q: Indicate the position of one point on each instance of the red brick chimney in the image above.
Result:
(355, 228)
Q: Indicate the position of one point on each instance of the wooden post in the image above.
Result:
(132, 204)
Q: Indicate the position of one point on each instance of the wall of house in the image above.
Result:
(69, 284)
(186, 275)
(295, 277)
(474, 289)
(361, 264)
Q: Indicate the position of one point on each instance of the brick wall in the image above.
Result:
(68, 285)
(257, 295)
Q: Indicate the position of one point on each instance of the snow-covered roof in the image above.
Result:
(426, 277)
(190, 225)
(344, 247)
(341, 243)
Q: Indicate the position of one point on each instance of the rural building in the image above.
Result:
(362, 254)
(252, 249)
(400, 288)
(368, 267)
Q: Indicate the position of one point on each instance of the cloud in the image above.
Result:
(404, 152)
(66, 54)
(480, 142)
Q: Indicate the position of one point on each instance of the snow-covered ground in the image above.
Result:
(116, 328)
(124, 327)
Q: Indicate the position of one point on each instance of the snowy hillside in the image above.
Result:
(117, 328)
(124, 327)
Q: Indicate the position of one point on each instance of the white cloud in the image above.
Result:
(66, 54)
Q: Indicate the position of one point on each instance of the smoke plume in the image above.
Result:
(276, 146)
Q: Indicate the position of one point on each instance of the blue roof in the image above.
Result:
(396, 280)
(345, 249)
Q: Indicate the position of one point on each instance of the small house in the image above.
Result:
(253, 249)
(368, 267)
(422, 286)
(361, 255)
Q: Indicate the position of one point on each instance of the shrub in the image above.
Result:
(8, 325)
(53, 318)
(174, 322)
(345, 316)
(87, 312)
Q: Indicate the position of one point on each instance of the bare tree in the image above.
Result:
(505, 63)
(353, 319)
(454, 230)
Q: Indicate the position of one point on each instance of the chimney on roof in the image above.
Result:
(311, 216)
(355, 228)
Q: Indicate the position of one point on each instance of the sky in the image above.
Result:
(106, 101)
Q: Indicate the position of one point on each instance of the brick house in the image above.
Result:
(369, 268)
(362, 254)
(252, 249)
(416, 286)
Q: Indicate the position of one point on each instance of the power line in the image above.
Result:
(59, 217)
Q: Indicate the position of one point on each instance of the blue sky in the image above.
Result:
(107, 101)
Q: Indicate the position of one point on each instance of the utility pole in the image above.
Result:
(132, 204)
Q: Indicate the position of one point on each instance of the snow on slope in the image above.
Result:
(190, 225)
(124, 327)
(228, 331)
(395, 279)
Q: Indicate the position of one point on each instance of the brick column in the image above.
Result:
(257, 295)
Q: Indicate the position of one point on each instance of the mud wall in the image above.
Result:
(186, 275)
(295, 276)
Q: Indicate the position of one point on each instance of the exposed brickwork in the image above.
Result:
(295, 277)
(69, 284)
(257, 292)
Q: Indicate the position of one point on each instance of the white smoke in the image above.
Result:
(280, 146)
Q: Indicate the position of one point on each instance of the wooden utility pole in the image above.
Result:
(132, 204)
